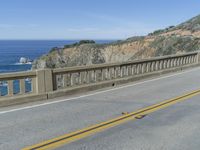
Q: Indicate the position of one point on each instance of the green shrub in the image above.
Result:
(79, 43)
(86, 42)
(54, 49)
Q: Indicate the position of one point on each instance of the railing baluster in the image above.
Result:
(137, 69)
(152, 66)
(142, 68)
(115, 72)
(33, 85)
(184, 60)
(0, 92)
(88, 77)
(79, 78)
(10, 87)
(126, 70)
(65, 80)
(108, 73)
(22, 86)
(174, 62)
(103, 74)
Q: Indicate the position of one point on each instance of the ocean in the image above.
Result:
(12, 50)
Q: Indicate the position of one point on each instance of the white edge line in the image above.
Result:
(73, 98)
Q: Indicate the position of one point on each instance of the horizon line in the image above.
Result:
(60, 39)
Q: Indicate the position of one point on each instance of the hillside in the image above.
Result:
(172, 40)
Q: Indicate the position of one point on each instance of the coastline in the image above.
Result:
(12, 50)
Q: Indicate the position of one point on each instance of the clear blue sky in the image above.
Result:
(90, 19)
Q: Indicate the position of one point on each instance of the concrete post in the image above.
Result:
(44, 81)
(48, 80)
(40, 81)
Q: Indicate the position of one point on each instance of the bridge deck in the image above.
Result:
(176, 127)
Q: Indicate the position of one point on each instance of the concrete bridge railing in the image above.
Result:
(56, 82)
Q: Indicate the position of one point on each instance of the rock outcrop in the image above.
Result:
(172, 40)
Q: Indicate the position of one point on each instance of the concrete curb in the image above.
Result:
(21, 99)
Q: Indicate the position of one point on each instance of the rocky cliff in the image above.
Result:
(172, 40)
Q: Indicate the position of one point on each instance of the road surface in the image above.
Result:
(176, 127)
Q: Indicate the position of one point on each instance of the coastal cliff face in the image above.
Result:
(172, 40)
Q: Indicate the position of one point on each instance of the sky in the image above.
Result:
(90, 19)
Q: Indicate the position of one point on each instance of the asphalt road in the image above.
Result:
(176, 127)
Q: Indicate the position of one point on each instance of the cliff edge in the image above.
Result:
(172, 40)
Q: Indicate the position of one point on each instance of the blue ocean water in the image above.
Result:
(12, 50)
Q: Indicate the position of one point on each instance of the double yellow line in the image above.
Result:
(74, 136)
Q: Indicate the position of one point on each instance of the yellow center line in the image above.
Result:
(74, 136)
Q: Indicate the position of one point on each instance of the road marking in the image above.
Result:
(100, 92)
(77, 135)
